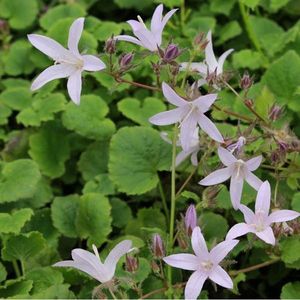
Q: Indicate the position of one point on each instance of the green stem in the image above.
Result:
(16, 268)
(163, 198)
(112, 293)
(173, 201)
(182, 13)
(276, 189)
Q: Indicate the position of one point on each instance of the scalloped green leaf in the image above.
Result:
(290, 290)
(17, 98)
(23, 171)
(88, 118)
(290, 249)
(106, 29)
(136, 155)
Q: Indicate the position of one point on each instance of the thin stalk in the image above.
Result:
(276, 189)
(163, 198)
(112, 293)
(186, 182)
(16, 268)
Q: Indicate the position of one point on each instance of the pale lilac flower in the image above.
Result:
(68, 63)
(205, 264)
(190, 219)
(260, 222)
(188, 113)
(91, 264)
(238, 170)
(149, 39)
(238, 146)
(211, 64)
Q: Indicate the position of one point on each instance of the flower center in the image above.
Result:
(191, 110)
(239, 169)
(206, 265)
(259, 221)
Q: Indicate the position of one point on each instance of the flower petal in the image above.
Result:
(92, 63)
(183, 261)
(51, 73)
(48, 46)
(263, 198)
(222, 60)
(283, 215)
(209, 54)
(194, 158)
(253, 180)
(205, 102)
(198, 67)
(248, 213)
(236, 188)
(74, 86)
(171, 96)
(167, 17)
(210, 128)
(146, 38)
(254, 163)
(220, 251)
(181, 156)
(156, 20)
(216, 177)
(167, 117)
(75, 33)
(220, 277)
(226, 157)
(199, 244)
(135, 25)
(267, 235)
(187, 129)
(128, 38)
(238, 230)
(194, 285)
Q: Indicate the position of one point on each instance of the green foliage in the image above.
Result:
(290, 290)
(13, 223)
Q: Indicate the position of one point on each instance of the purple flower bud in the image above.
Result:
(158, 248)
(246, 81)
(171, 53)
(283, 147)
(248, 102)
(190, 219)
(110, 46)
(132, 264)
(125, 60)
(275, 112)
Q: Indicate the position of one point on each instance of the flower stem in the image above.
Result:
(112, 293)
(173, 201)
(163, 198)
(16, 268)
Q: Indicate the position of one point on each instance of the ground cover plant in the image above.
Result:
(149, 149)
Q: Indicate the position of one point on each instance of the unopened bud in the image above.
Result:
(132, 264)
(190, 219)
(182, 242)
(200, 41)
(275, 112)
(3, 25)
(171, 52)
(283, 147)
(158, 248)
(248, 102)
(110, 46)
(125, 60)
(154, 266)
(246, 81)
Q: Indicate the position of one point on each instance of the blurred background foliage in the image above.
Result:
(72, 176)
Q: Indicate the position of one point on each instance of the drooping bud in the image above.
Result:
(246, 81)
(132, 264)
(158, 247)
(172, 52)
(125, 60)
(190, 219)
(110, 46)
(275, 112)
(200, 41)
(248, 102)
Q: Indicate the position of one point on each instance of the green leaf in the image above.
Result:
(247, 59)
(121, 212)
(107, 29)
(94, 218)
(5, 112)
(221, 6)
(63, 212)
(25, 173)
(139, 5)
(100, 184)
(275, 5)
(3, 272)
(250, 3)
(17, 98)
(291, 290)
(199, 24)
(16, 287)
(23, 246)
(50, 149)
(56, 13)
(229, 31)
(136, 154)
(263, 102)
(88, 119)
(17, 62)
(93, 161)
(56, 291)
(296, 202)
(13, 223)
(214, 226)
(283, 77)
(21, 14)
(290, 249)
(140, 111)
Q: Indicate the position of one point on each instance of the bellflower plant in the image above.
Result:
(260, 222)
(68, 63)
(188, 114)
(149, 39)
(91, 264)
(205, 264)
(238, 170)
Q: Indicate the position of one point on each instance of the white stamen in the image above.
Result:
(96, 251)
(141, 21)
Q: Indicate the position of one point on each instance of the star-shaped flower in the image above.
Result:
(149, 39)
(91, 264)
(238, 170)
(69, 63)
(260, 222)
(189, 114)
(205, 264)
